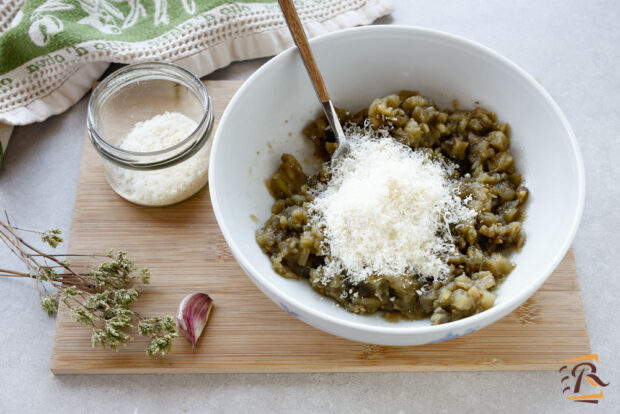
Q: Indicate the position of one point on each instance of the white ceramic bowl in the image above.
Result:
(266, 116)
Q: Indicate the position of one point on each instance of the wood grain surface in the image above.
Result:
(183, 248)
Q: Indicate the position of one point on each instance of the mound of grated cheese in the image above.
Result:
(160, 132)
(387, 211)
(168, 185)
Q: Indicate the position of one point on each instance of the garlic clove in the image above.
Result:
(193, 314)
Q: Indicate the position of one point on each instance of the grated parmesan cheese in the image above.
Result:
(387, 211)
(168, 185)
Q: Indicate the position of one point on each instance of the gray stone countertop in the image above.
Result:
(571, 46)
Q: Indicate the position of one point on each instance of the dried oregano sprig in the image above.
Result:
(101, 298)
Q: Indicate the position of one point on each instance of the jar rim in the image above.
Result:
(117, 154)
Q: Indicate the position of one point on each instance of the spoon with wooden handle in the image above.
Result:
(297, 31)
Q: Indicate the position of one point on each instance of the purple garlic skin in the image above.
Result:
(193, 314)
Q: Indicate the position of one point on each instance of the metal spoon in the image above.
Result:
(297, 31)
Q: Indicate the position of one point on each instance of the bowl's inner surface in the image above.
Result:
(357, 68)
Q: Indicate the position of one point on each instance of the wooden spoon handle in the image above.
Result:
(297, 31)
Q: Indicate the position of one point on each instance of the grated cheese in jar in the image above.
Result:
(167, 185)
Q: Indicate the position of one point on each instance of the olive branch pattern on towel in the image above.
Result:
(103, 15)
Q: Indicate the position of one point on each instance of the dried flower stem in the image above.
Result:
(13, 273)
(100, 298)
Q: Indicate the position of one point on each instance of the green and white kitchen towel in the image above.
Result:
(51, 51)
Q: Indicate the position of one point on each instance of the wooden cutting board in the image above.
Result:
(183, 248)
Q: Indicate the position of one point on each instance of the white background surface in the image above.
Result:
(572, 46)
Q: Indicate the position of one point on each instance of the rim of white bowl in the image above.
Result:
(491, 314)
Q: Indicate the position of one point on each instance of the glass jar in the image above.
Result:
(151, 123)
